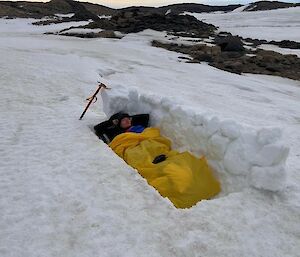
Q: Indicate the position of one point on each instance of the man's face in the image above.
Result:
(125, 123)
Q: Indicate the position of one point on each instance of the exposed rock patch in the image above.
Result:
(135, 21)
(284, 43)
(239, 60)
(230, 43)
(185, 7)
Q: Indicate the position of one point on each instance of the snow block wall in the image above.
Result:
(241, 156)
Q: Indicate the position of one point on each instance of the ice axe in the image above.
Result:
(91, 99)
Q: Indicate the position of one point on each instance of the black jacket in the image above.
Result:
(107, 130)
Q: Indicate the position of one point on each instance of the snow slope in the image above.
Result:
(241, 8)
(280, 24)
(65, 193)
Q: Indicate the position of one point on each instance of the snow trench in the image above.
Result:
(240, 156)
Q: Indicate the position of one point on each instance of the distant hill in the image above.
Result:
(24, 9)
(85, 10)
(189, 7)
(268, 5)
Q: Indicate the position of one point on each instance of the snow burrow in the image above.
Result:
(241, 156)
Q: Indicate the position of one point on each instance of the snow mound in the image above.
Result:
(241, 156)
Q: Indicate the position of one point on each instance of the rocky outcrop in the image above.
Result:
(10, 11)
(284, 43)
(136, 21)
(38, 10)
(268, 5)
(186, 7)
(239, 60)
(230, 43)
(99, 9)
(24, 9)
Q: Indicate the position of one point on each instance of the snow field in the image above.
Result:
(280, 24)
(242, 156)
(65, 193)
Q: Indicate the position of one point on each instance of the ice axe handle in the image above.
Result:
(92, 98)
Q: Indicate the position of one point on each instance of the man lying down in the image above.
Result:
(181, 177)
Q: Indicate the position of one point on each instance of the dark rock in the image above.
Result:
(203, 57)
(231, 55)
(234, 66)
(264, 62)
(137, 21)
(230, 44)
(273, 67)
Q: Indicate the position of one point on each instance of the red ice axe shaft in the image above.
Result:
(91, 99)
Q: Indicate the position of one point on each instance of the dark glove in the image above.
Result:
(159, 158)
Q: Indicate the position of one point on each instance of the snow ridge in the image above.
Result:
(241, 156)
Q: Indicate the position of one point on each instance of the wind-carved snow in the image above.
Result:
(240, 155)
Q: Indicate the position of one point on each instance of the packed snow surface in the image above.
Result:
(65, 193)
(280, 24)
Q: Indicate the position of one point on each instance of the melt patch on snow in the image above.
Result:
(104, 16)
(241, 156)
(168, 12)
(67, 15)
(252, 8)
(82, 31)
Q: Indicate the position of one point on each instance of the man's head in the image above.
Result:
(122, 120)
(125, 123)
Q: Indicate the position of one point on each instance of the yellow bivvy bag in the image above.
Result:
(182, 177)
